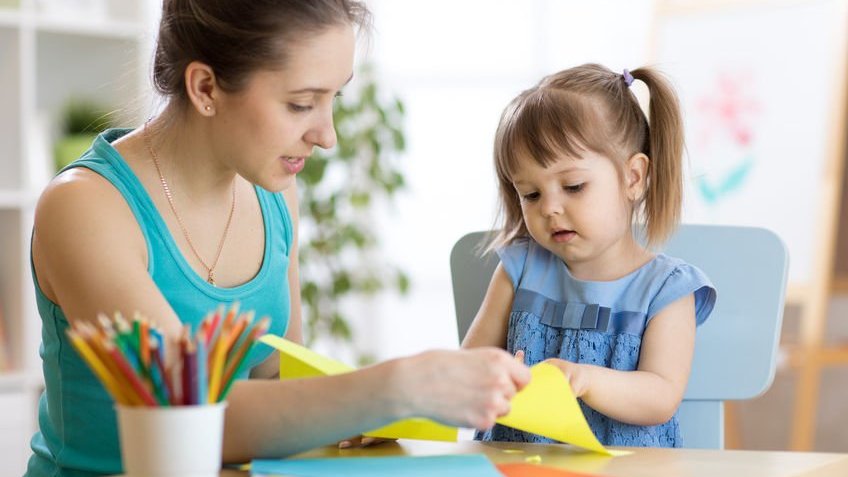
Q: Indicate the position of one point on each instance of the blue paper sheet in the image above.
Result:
(465, 465)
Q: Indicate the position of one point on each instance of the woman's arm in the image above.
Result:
(90, 257)
(461, 388)
(489, 327)
(89, 254)
(651, 394)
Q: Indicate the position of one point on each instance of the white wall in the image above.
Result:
(456, 64)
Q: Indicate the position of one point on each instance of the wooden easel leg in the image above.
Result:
(732, 433)
(806, 403)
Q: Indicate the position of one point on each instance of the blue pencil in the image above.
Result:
(202, 381)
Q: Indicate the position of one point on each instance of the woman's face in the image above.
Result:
(267, 130)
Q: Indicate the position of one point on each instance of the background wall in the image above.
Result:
(456, 65)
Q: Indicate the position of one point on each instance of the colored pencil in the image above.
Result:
(96, 366)
(137, 367)
(240, 360)
(202, 377)
(135, 381)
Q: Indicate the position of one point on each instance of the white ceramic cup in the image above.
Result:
(173, 441)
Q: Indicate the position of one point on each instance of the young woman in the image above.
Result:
(198, 207)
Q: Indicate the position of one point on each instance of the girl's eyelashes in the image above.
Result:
(569, 189)
(531, 197)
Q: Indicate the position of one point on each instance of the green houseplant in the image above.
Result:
(81, 121)
(339, 246)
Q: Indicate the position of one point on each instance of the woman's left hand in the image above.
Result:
(578, 375)
(362, 441)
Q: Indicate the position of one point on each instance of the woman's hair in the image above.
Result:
(238, 37)
(590, 108)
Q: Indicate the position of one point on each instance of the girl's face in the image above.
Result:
(267, 130)
(578, 209)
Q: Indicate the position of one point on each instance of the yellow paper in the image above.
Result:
(547, 407)
(299, 362)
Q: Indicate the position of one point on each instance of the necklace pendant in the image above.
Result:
(211, 278)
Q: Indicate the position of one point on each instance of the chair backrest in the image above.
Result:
(735, 350)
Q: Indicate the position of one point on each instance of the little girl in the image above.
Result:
(579, 164)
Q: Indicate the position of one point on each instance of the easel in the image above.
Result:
(812, 294)
(812, 355)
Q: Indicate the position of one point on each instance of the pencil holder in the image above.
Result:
(173, 441)
(170, 411)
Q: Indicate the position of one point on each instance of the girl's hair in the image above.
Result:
(592, 108)
(237, 37)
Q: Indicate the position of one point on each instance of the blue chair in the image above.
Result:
(736, 349)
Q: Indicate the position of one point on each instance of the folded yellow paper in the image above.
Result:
(299, 362)
(547, 407)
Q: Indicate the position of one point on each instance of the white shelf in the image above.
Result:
(13, 199)
(99, 29)
(47, 59)
(10, 18)
(20, 381)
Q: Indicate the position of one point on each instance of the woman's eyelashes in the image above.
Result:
(299, 108)
(531, 197)
(303, 108)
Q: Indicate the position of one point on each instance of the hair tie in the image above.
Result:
(628, 78)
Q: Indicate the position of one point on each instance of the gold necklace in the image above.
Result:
(210, 269)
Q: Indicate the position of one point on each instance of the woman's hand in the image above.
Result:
(579, 376)
(468, 388)
(362, 441)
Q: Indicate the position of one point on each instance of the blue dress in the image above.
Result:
(555, 315)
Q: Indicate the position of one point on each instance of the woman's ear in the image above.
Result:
(201, 87)
(636, 176)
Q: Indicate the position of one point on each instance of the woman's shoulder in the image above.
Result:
(83, 190)
(80, 207)
(78, 192)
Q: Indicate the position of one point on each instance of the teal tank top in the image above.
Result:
(78, 433)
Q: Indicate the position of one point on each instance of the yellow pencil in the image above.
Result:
(96, 366)
(230, 331)
(217, 368)
(96, 339)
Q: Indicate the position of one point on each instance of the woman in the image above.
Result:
(184, 212)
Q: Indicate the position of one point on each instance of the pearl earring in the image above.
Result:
(207, 108)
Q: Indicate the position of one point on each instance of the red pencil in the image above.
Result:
(130, 374)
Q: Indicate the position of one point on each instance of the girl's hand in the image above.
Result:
(578, 375)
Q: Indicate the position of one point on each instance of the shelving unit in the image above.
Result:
(50, 52)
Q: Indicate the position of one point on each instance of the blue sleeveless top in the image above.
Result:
(78, 433)
(555, 315)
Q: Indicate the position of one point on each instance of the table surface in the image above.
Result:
(648, 462)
